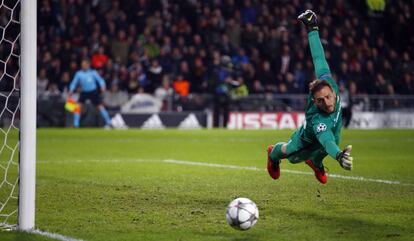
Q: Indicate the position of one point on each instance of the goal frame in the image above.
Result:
(28, 98)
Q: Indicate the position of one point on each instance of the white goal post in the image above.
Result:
(18, 83)
(27, 166)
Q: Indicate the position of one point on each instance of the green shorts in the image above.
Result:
(299, 150)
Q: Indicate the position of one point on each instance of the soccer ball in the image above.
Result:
(242, 213)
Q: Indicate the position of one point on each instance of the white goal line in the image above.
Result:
(54, 235)
(10, 227)
(355, 178)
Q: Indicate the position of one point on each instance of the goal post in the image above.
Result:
(18, 83)
(27, 160)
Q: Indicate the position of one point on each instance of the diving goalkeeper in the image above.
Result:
(319, 135)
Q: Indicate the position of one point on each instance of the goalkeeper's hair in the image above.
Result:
(317, 85)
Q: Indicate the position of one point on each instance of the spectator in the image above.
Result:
(233, 31)
(257, 87)
(165, 93)
(346, 104)
(222, 79)
(249, 75)
(42, 82)
(133, 83)
(175, 31)
(181, 86)
(249, 36)
(99, 58)
(184, 70)
(408, 83)
(225, 47)
(249, 13)
(285, 59)
(152, 47)
(199, 83)
(119, 47)
(267, 77)
(240, 58)
(382, 86)
(64, 82)
(291, 85)
(154, 76)
(53, 90)
(239, 89)
(369, 72)
(115, 98)
(300, 77)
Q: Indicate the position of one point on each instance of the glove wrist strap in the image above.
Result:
(313, 28)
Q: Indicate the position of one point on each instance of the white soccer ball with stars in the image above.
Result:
(242, 213)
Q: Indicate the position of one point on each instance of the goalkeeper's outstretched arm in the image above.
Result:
(322, 71)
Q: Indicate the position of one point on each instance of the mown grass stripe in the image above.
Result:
(331, 175)
(355, 178)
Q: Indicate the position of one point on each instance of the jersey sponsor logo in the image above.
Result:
(321, 127)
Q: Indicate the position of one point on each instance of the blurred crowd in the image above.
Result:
(233, 47)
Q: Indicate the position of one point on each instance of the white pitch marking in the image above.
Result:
(355, 178)
(54, 235)
(94, 161)
(9, 227)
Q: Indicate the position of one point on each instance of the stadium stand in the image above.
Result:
(218, 46)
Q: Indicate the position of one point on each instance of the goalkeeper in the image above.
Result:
(319, 136)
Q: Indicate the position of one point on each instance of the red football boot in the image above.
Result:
(319, 174)
(272, 168)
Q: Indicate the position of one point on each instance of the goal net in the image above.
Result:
(9, 111)
(17, 137)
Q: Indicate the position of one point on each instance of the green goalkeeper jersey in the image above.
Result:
(321, 128)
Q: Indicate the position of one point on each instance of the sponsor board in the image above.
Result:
(182, 120)
(293, 120)
(265, 120)
(375, 120)
(256, 120)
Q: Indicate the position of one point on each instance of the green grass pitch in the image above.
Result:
(99, 185)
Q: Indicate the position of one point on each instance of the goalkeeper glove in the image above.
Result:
(345, 159)
(308, 18)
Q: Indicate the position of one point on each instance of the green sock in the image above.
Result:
(276, 153)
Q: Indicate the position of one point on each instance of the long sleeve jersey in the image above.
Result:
(320, 126)
(88, 81)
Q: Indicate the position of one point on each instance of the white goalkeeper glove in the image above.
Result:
(345, 159)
